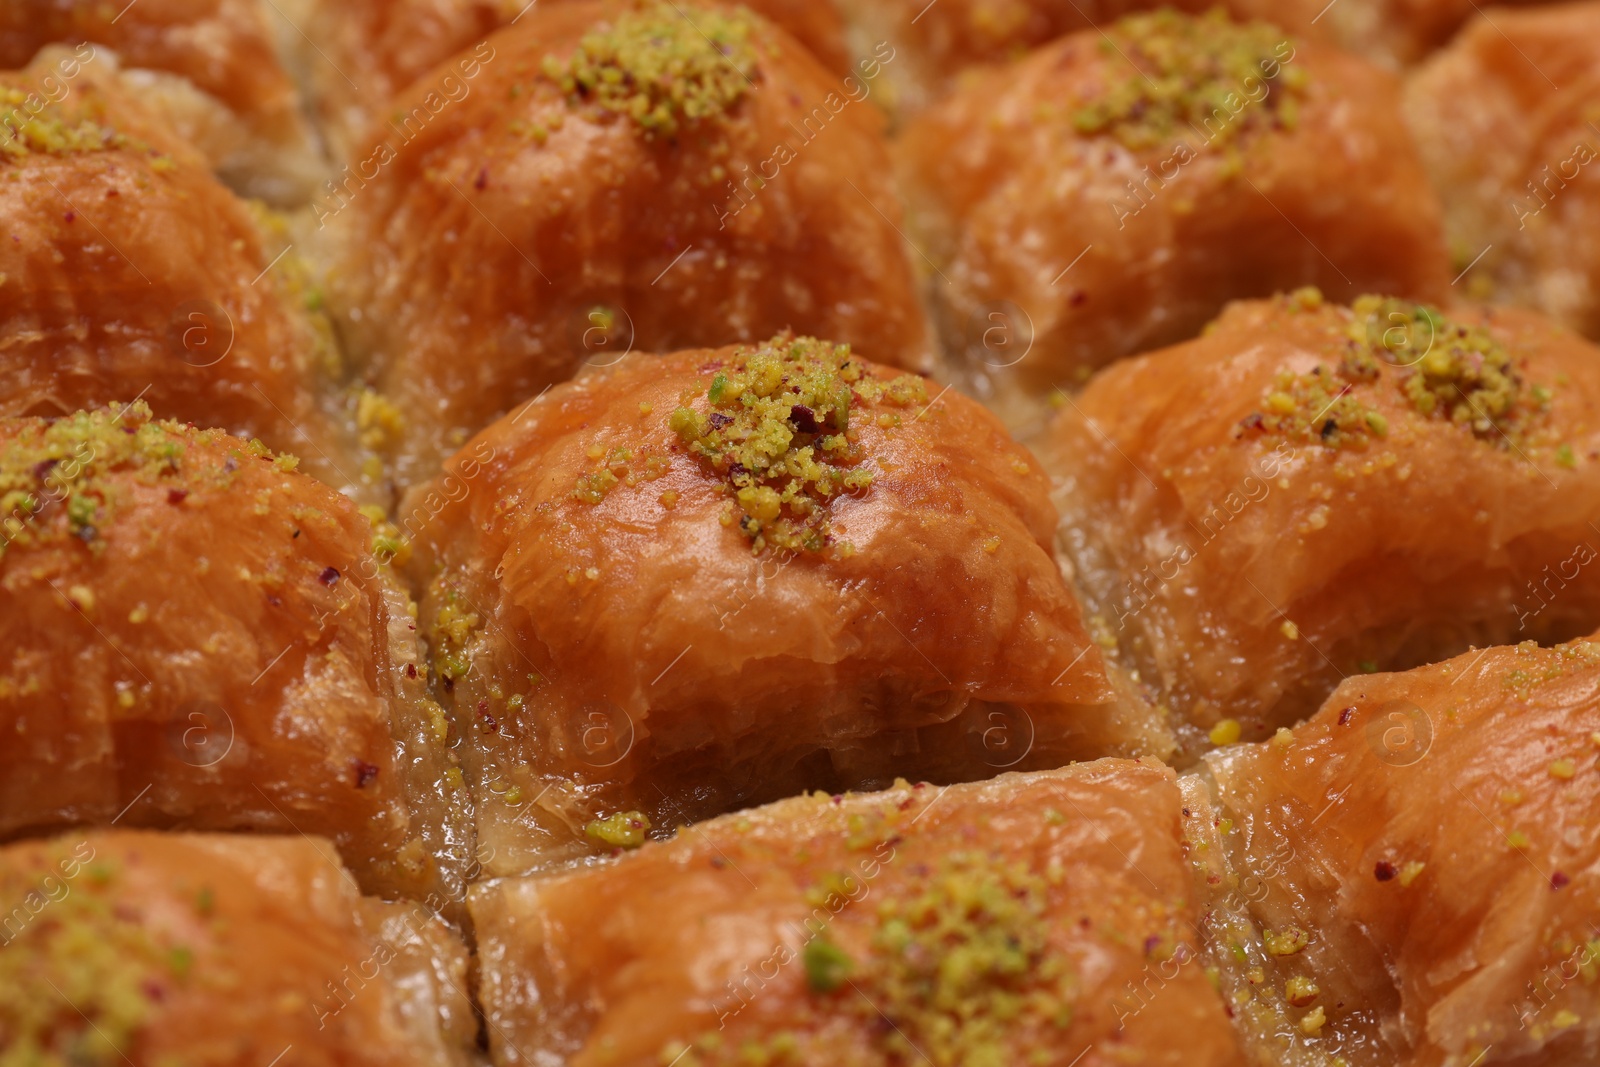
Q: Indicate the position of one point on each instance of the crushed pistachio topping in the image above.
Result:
(1286, 942)
(27, 129)
(388, 543)
(827, 965)
(625, 829)
(963, 964)
(660, 66)
(65, 477)
(617, 466)
(454, 625)
(1195, 75)
(379, 419)
(776, 425)
(1443, 369)
(92, 947)
(1451, 370)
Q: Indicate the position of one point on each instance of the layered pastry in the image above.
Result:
(367, 51)
(1410, 877)
(620, 176)
(198, 636)
(211, 67)
(130, 271)
(944, 44)
(139, 948)
(689, 583)
(1516, 158)
(1045, 918)
(1110, 192)
(1311, 491)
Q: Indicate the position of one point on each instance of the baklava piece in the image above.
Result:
(1109, 193)
(621, 176)
(689, 583)
(211, 67)
(1312, 491)
(1042, 919)
(130, 271)
(1410, 878)
(939, 46)
(1516, 161)
(370, 50)
(196, 635)
(129, 947)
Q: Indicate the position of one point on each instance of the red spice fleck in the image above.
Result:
(804, 419)
(178, 496)
(1346, 715)
(1383, 871)
(411, 670)
(328, 576)
(482, 181)
(1559, 881)
(365, 772)
(489, 722)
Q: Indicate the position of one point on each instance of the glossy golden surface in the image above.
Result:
(499, 247)
(135, 947)
(1244, 572)
(1517, 160)
(206, 642)
(635, 654)
(1059, 251)
(708, 942)
(1433, 833)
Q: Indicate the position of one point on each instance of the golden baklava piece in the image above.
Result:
(197, 635)
(1311, 491)
(622, 175)
(1110, 192)
(129, 271)
(1516, 160)
(131, 947)
(367, 51)
(1410, 878)
(689, 583)
(1044, 918)
(938, 47)
(1394, 33)
(211, 67)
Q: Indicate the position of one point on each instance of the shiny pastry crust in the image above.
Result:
(1516, 160)
(211, 65)
(491, 251)
(616, 644)
(1433, 836)
(1246, 556)
(129, 271)
(136, 947)
(197, 636)
(369, 50)
(944, 44)
(1045, 224)
(772, 931)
